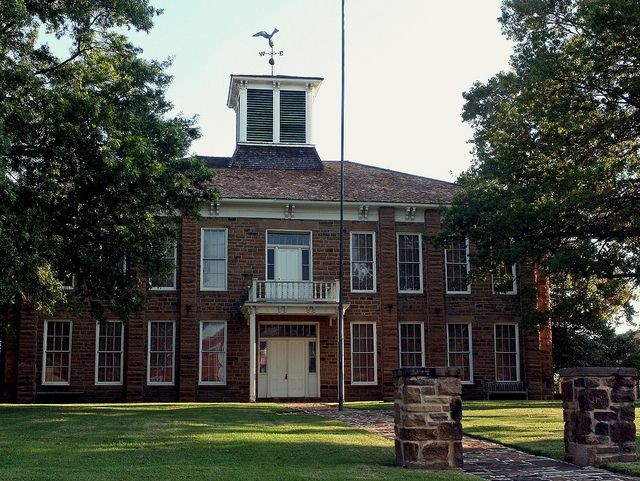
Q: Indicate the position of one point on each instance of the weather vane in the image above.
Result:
(273, 53)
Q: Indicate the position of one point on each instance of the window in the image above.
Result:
(56, 362)
(168, 282)
(68, 282)
(109, 342)
(293, 116)
(259, 115)
(411, 344)
(504, 281)
(213, 265)
(213, 352)
(363, 265)
(363, 353)
(457, 266)
(313, 358)
(507, 356)
(409, 263)
(160, 364)
(459, 350)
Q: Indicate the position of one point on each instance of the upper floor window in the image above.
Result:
(409, 263)
(168, 281)
(288, 109)
(457, 266)
(363, 264)
(504, 280)
(56, 362)
(507, 352)
(213, 262)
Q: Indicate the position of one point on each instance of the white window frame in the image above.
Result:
(495, 350)
(470, 331)
(97, 356)
(409, 291)
(212, 383)
(173, 364)
(351, 261)
(514, 284)
(422, 341)
(267, 246)
(446, 273)
(73, 284)
(45, 349)
(226, 259)
(175, 272)
(375, 355)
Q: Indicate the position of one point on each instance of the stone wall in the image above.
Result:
(428, 411)
(599, 414)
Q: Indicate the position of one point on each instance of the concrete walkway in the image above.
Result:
(485, 459)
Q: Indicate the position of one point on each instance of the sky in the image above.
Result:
(407, 64)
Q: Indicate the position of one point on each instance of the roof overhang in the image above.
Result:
(269, 81)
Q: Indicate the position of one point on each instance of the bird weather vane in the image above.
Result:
(273, 53)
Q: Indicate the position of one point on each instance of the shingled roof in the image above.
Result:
(363, 183)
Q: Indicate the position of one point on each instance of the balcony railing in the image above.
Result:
(293, 291)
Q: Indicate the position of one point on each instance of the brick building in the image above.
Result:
(251, 310)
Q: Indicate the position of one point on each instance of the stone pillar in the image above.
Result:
(428, 411)
(599, 415)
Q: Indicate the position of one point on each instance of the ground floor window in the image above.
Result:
(411, 344)
(459, 350)
(363, 353)
(109, 342)
(213, 352)
(56, 367)
(507, 356)
(160, 365)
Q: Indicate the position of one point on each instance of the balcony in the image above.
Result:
(287, 292)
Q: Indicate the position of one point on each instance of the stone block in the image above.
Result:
(455, 409)
(438, 417)
(411, 394)
(590, 399)
(410, 452)
(450, 431)
(605, 416)
(627, 413)
(581, 423)
(567, 391)
(622, 394)
(602, 429)
(622, 432)
(417, 434)
(413, 420)
(450, 387)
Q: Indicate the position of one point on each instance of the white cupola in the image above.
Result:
(273, 109)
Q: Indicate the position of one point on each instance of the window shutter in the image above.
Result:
(292, 116)
(259, 115)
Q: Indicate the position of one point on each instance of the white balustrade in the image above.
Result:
(293, 291)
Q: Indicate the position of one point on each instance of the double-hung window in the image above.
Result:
(504, 280)
(457, 266)
(161, 352)
(411, 344)
(213, 352)
(363, 353)
(409, 263)
(213, 262)
(507, 352)
(363, 264)
(168, 281)
(56, 362)
(109, 352)
(459, 350)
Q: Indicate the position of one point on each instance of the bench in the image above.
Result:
(508, 387)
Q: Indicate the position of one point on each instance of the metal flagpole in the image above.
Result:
(341, 236)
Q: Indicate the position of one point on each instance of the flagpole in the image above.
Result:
(341, 237)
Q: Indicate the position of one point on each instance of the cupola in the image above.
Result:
(273, 109)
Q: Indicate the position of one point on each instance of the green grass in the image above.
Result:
(190, 441)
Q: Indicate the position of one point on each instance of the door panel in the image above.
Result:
(277, 368)
(288, 265)
(297, 368)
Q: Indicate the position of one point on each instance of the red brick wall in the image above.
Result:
(188, 305)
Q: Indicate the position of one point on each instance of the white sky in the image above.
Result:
(407, 64)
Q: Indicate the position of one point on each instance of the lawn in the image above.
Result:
(131, 442)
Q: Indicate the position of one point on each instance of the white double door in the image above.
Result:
(287, 367)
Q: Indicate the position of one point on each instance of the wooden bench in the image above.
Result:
(508, 387)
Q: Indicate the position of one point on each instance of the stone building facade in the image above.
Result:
(251, 310)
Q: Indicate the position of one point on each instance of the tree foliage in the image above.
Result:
(554, 180)
(93, 175)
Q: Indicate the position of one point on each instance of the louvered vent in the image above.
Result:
(259, 115)
(292, 116)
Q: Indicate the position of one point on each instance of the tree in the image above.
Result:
(554, 181)
(93, 174)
